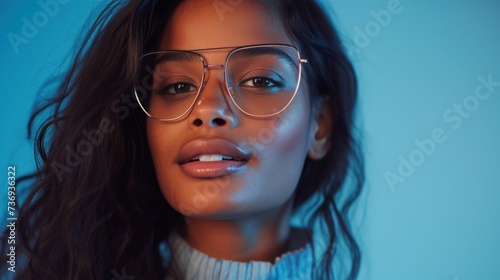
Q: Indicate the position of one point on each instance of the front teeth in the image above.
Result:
(213, 157)
(210, 158)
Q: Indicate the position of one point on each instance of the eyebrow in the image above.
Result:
(267, 50)
(173, 56)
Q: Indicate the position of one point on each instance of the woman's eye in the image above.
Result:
(177, 88)
(261, 82)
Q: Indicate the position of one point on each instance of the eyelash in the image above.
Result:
(275, 84)
(164, 89)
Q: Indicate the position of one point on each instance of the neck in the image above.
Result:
(259, 237)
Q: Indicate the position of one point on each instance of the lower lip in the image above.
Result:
(212, 169)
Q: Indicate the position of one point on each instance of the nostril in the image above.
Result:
(218, 122)
(198, 122)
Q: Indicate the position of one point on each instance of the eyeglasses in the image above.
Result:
(261, 80)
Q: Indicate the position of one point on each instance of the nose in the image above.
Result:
(213, 108)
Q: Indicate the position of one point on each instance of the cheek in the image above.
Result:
(291, 131)
(158, 140)
(165, 139)
(293, 134)
(163, 145)
(282, 148)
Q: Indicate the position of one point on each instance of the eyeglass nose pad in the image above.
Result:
(226, 88)
(215, 67)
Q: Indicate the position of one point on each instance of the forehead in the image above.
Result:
(204, 24)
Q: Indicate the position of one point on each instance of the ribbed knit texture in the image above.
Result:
(189, 263)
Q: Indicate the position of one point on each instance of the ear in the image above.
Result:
(320, 133)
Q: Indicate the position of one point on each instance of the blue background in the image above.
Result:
(443, 221)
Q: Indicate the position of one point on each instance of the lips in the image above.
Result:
(211, 157)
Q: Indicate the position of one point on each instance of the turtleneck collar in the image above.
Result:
(189, 263)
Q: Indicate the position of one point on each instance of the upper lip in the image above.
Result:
(207, 146)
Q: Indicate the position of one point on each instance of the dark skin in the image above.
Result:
(242, 214)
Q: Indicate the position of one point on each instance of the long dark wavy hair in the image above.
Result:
(94, 206)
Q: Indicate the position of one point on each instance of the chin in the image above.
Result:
(221, 208)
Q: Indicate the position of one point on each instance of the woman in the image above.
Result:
(185, 135)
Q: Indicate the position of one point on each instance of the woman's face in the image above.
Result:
(270, 151)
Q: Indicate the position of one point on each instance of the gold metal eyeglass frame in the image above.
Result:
(223, 66)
